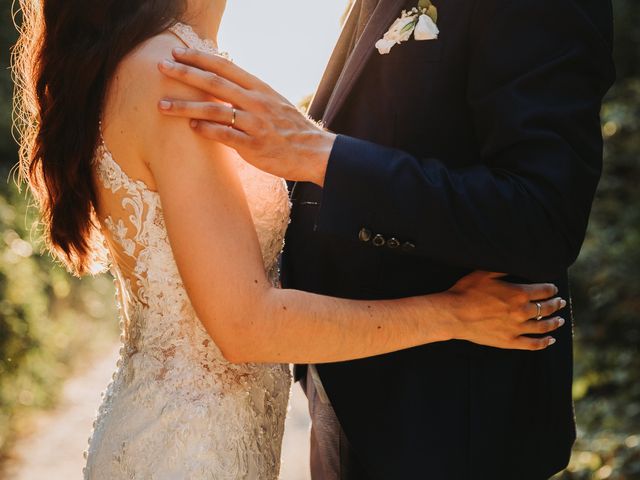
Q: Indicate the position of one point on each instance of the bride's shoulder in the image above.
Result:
(137, 87)
(138, 74)
(149, 52)
(133, 127)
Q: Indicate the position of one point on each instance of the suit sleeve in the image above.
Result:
(538, 71)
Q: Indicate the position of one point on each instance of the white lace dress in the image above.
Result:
(176, 409)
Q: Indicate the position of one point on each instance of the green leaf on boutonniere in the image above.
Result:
(409, 26)
(430, 8)
(432, 11)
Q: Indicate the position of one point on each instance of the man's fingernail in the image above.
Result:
(179, 51)
(165, 105)
(560, 322)
(557, 289)
(168, 64)
(552, 341)
(193, 123)
(563, 303)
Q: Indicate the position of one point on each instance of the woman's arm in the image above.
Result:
(217, 252)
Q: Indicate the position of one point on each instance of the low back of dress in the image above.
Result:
(176, 408)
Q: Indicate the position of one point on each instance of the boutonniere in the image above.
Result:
(420, 21)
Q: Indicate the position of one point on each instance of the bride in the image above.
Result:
(192, 235)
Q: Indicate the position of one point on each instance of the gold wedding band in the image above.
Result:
(234, 115)
(539, 315)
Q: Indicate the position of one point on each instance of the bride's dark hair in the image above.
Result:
(67, 52)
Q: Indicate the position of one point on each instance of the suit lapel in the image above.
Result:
(385, 13)
(334, 67)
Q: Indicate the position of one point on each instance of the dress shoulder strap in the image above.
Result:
(191, 39)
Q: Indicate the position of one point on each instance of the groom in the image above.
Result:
(477, 150)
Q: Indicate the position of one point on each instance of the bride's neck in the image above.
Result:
(205, 17)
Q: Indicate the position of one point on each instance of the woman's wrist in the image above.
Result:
(436, 316)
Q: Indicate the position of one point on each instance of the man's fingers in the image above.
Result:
(215, 112)
(219, 65)
(208, 82)
(219, 133)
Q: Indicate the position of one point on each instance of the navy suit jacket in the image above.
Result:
(481, 150)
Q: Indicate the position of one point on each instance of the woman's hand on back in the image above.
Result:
(492, 312)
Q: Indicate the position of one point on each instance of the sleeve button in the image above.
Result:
(408, 247)
(393, 243)
(364, 235)
(379, 241)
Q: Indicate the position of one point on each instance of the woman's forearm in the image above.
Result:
(290, 326)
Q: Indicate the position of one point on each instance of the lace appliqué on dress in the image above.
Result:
(176, 408)
(192, 39)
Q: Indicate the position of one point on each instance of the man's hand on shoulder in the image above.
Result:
(259, 123)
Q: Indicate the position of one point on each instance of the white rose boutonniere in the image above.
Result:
(420, 21)
(399, 32)
(426, 29)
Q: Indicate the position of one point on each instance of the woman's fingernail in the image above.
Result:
(165, 105)
(193, 123)
(563, 303)
(557, 289)
(179, 51)
(552, 341)
(560, 321)
(168, 64)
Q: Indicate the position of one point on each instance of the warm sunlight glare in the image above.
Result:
(285, 42)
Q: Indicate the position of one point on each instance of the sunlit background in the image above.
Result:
(58, 335)
(285, 42)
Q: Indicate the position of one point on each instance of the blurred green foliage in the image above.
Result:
(48, 319)
(606, 288)
(606, 283)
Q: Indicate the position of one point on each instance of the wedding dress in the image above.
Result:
(176, 409)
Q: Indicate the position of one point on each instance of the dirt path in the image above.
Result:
(54, 450)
